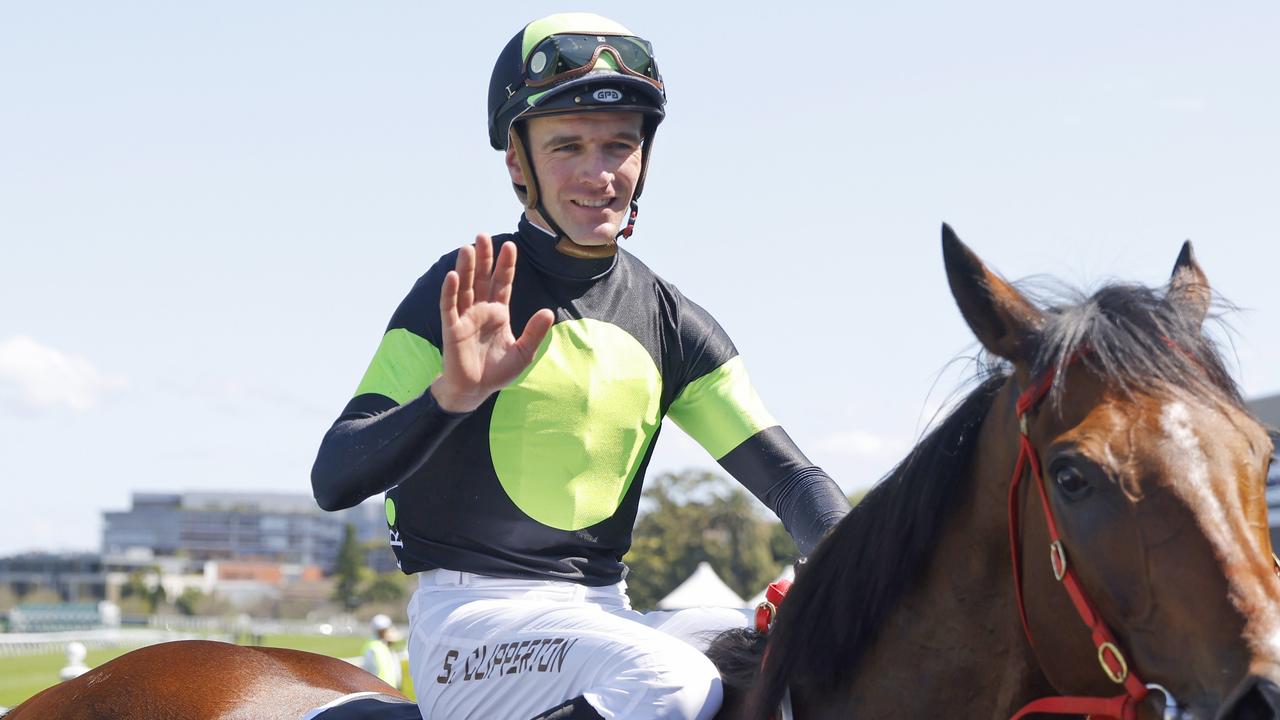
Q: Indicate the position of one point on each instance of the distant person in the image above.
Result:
(511, 408)
(75, 662)
(379, 658)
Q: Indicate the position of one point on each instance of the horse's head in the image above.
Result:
(1153, 473)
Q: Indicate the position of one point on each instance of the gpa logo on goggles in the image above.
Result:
(607, 95)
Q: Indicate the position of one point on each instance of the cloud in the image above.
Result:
(861, 444)
(38, 378)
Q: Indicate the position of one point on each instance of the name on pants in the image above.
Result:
(509, 658)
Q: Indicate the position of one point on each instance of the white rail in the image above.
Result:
(17, 644)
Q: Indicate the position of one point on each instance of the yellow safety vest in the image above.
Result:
(386, 664)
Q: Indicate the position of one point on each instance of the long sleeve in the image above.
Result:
(393, 424)
(363, 454)
(718, 407)
(801, 494)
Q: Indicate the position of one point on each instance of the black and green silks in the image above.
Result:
(543, 479)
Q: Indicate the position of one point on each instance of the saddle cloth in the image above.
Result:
(366, 706)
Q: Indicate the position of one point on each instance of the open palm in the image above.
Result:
(481, 355)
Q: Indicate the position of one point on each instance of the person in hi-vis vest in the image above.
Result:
(379, 658)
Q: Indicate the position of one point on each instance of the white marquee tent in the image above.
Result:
(702, 589)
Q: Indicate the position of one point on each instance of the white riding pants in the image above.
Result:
(483, 647)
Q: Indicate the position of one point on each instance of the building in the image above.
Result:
(277, 527)
(60, 617)
(1268, 411)
(243, 542)
(75, 577)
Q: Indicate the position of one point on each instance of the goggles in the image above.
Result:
(564, 57)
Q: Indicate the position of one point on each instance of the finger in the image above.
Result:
(484, 267)
(534, 331)
(466, 268)
(504, 274)
(449, 301)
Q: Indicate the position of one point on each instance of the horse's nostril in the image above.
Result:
(1255, 699)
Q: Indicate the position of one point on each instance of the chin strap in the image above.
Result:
(533, 201)
(630, 227)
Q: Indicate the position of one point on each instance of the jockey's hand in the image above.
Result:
(481, 356)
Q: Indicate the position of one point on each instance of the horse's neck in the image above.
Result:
(954, 645)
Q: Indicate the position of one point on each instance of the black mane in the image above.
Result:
(1128, 334)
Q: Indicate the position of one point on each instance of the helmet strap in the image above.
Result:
(630, 227)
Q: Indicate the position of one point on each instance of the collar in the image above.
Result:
(538, 246)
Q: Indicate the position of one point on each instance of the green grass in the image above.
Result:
(339, 646)
(22, 677)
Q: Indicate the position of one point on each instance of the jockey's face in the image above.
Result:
(587, 166)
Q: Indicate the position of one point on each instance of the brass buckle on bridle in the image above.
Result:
(1058, 559)
(1117, 676)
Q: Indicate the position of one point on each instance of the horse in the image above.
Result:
(1134, 575)
(933, 597)
(203, 680)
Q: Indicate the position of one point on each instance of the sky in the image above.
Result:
(208, 211)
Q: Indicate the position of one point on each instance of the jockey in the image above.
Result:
(511, 408)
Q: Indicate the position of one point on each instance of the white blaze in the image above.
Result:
(1218, 513)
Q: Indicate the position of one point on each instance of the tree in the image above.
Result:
(188, 603)
(691, 517)
(384, 587)
(349, 570)
(143, 593)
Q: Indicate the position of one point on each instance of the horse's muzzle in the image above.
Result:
(1256, 698)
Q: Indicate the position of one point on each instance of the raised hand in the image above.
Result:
(481, 356)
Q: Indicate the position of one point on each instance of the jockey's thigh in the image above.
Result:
(696, 626)
(483, 647)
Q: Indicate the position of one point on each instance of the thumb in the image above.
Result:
(534, 332)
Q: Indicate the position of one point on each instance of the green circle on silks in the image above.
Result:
(390, 506)
(568, 435)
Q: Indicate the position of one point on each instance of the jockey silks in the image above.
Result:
(543, 480)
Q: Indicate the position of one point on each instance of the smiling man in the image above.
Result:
(512, 406)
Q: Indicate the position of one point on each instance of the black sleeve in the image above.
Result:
(803, 496)
(393, 423)
(366, 452)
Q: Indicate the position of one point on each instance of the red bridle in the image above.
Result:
(1110, 657)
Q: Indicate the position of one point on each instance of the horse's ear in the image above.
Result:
(1189, 291)
(1005, 322)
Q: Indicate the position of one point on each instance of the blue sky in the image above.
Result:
(209, 211)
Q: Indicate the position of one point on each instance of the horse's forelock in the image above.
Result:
(1136, 341)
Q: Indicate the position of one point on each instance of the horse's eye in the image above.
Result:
(1071, 481)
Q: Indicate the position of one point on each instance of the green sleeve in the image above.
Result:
(402, 368)
(721, 409)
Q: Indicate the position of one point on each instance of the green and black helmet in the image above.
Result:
(569, 63)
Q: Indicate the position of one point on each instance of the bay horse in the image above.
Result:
(939, 594)
(1153, 519)
(202, 680)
